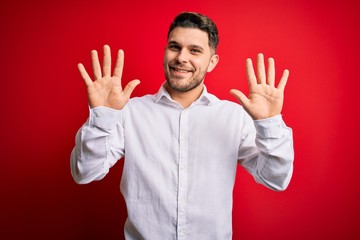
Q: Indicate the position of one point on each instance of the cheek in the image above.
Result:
(201, 64)
(168, 56)
(165, 60)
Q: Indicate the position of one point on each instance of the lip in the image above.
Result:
(180, 70)
(179, 73)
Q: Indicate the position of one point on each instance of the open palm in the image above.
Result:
(264, 100)
(106, 90)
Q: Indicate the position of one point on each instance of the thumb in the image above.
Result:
(130, 87)
(240, 96)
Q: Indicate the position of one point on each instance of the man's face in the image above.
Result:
(187, 58)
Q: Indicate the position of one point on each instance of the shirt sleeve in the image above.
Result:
(266, 151)
(99, 144)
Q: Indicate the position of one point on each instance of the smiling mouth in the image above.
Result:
(180, 70)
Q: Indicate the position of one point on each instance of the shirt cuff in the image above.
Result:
(270, 127)
(104, 117)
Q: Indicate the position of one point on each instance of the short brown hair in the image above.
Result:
(199, 21)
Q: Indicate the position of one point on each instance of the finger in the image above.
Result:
(107, 61)
(271, 72)
(240, 96)
(119, 64)
(95, 64)
(130, 87)
(261, 69)
(84, 75)
(283, 80)
(250, 73)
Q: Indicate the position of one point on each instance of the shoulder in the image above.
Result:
(231, 110)
(146, 99)
(229, 105)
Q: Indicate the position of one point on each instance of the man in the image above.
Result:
(182, 145)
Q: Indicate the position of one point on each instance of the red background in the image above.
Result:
(43, 103)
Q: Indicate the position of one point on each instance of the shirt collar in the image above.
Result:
(204, 99)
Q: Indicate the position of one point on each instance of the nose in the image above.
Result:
(182, 56)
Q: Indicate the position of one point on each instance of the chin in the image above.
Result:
(172, 84)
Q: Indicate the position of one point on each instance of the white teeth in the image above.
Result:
(180, 70)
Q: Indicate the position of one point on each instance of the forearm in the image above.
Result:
(98, 146)
(275, 142)
(271, 161)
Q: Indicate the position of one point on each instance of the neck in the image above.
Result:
(185, 98)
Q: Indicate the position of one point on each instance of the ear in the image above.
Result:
(213, 62)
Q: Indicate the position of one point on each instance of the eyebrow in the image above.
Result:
(191, 45)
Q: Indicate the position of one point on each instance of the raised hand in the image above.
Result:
(265, 100)
(106, 90)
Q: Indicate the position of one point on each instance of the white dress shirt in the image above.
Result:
(180, 164)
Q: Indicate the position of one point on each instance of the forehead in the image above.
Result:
(189, 36)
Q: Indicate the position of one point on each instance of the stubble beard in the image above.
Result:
(189, 84)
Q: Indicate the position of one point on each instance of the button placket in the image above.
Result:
(182, 173)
